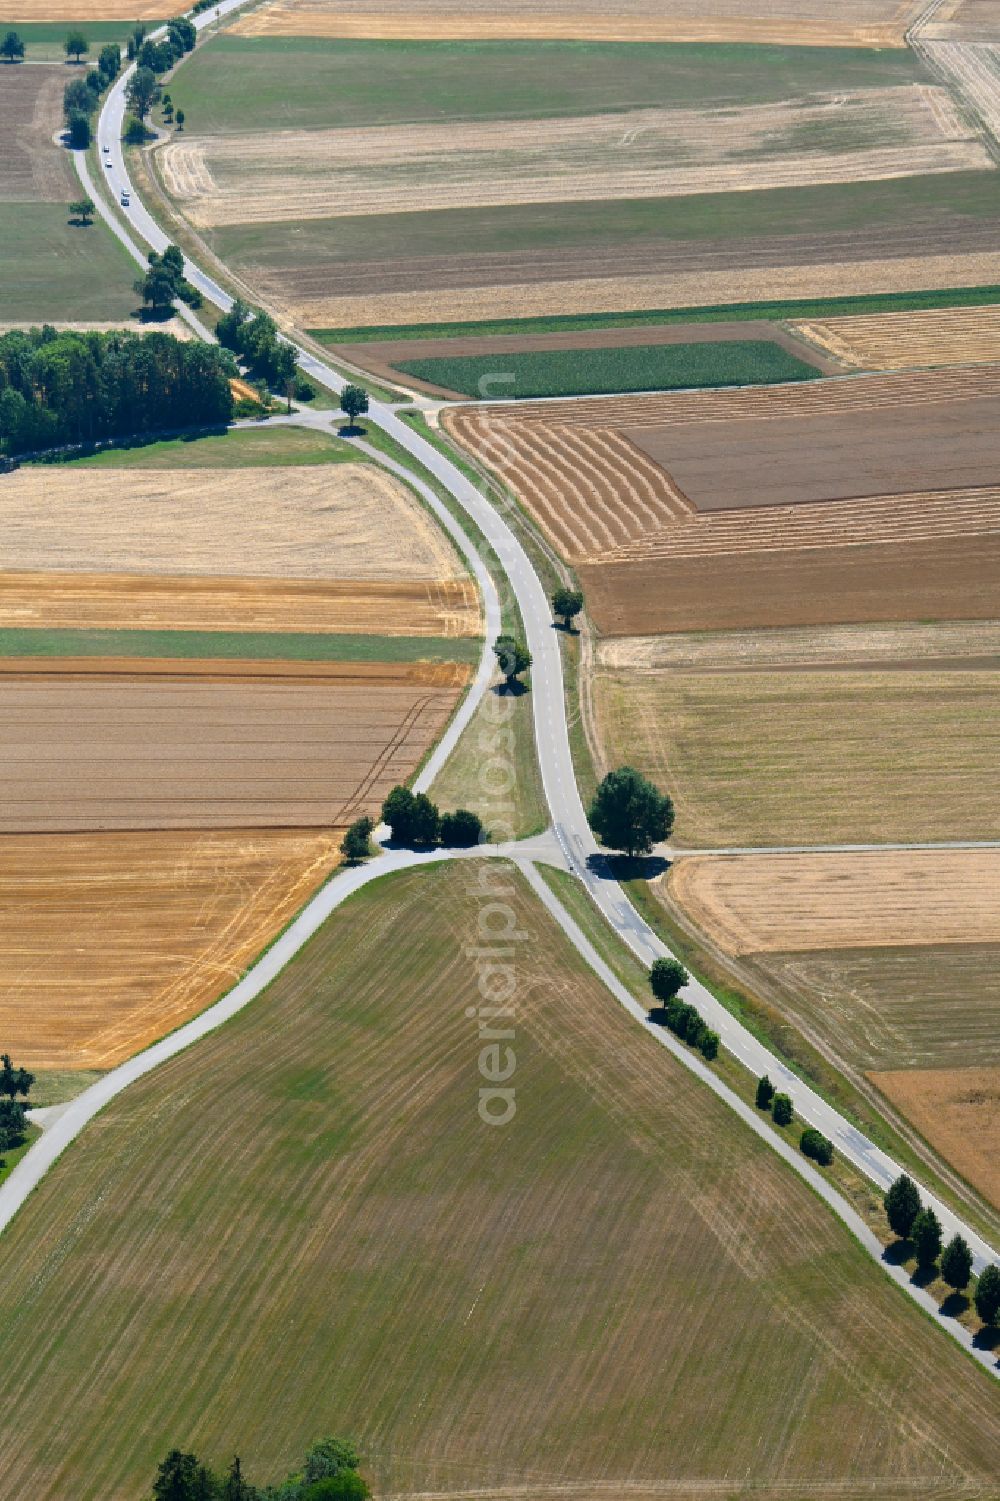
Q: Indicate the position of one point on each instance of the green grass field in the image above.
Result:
(43, 40)
(255, 646)
(312, 82)
(810, 757)
(501, 731)
(50, 271)
(733, 312)
(645, 367)
(236, 448)
(302, 1226)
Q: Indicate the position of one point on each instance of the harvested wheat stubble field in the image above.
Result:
(418, 1251)
(910, 130)
(966, 642)
(957, 1110)
(759, 904)
(348, 521)
(97, 11)
(899, 341)
(869, 23)
(170, 745)
(968, 20)
(122, 601)
(815, 756)
(32, 169)
(587, 474)
(111, 940)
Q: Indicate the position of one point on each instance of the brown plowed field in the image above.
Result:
(109, 941)
(909, 130)
(651, 563)
(109, 601)
(379, 357)
(347, 521)
(869, 23)
(32, 168)
(900, 341)
(178, 748)
(754, 904)
(957, 1110)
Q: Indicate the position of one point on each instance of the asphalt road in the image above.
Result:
(569, 822)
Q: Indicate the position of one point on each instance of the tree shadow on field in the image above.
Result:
(954, 1305)
(923, 1276)
(515, 689)
(898, 1253)
(988, 1337)
(567, 629)
(617, 867)
(351, 430)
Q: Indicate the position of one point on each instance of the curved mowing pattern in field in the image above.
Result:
(621, 1293)
(897, 341)
(601, 499)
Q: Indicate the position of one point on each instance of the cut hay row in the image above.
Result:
(312, 1188)
(754, 904)
(861, 23)
(77, 911)
(169, 750)
(899, 341)
(33, 169)
(808, 398)
(974, 70)
(649, 153)
(113, 601)
(347, 521)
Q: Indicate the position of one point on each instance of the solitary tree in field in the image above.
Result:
(567, 604)
(143, 92)
(817, 1146)
(179, 118)
(956, 1263)
(782, 1110)
(628, 813)
(83, 209)
(76, 45)
(765, 1093)
(354, 401)
(666, 978)
(356, 843)
(12, 48)
(987, 1295)
(902, 1205)
(926, 1237)
(513, 658)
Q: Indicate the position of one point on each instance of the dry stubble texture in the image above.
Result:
(958, 1112)
(347, 521)
(896, 341)
(808, 23)
(109, 941)
(754, 904)
(33, 169)
(621, 1293)
(649, 153)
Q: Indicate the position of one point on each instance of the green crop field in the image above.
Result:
(254, 646)
(52, 270)
(644, 367)
(302, 1226)
(722, 312)
(312, 82)
(236, 448)
(809, 757)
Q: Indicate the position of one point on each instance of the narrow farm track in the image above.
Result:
(577, 844)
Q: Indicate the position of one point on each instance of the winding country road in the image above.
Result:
(574, 839)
